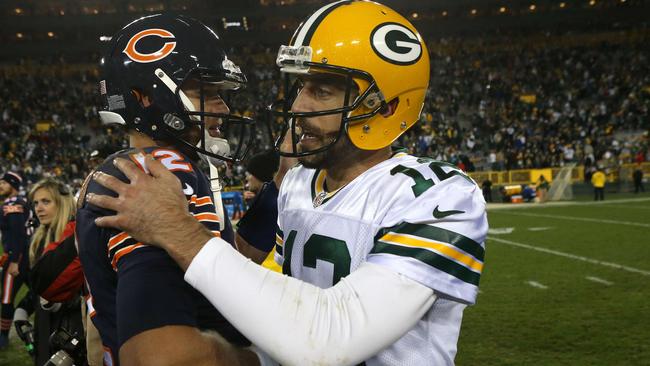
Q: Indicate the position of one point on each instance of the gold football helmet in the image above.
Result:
(379, 53)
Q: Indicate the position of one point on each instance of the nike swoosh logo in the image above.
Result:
(441, 214)
(188, 190)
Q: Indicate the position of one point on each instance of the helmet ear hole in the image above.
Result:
(390, 108)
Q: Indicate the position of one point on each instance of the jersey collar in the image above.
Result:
(318, 193)
(320, 196)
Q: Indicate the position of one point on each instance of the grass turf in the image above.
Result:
(575, 320)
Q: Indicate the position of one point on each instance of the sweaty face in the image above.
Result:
(318, 93)
(44, 206)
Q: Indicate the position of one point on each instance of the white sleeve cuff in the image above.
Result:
(202, 261)
(297, 323)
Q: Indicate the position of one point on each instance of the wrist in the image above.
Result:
(191, 238)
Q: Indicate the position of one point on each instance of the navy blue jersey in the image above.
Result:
(135, 287)
(15, 213)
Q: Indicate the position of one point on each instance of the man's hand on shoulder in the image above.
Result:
(151, 208)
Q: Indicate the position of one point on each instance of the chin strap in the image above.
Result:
(215, 185)
(217, 146)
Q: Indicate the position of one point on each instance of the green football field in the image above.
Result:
(563, 284)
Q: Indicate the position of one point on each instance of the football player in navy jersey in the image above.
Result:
(164, 78)
(14, 261)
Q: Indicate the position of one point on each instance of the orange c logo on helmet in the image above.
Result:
(136, 56)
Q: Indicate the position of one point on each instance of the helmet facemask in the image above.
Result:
(217, 129)
(295, 61)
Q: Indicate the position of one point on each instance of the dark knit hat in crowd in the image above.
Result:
(264, 165)
(14, 180)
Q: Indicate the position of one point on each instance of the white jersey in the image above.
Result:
(422, 218)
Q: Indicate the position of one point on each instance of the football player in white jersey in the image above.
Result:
(383, 250)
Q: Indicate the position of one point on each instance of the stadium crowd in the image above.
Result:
(488, 108)
(537, 107)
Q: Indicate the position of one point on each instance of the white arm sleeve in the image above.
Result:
(301, 324)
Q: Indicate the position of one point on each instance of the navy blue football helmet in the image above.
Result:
(155, 59)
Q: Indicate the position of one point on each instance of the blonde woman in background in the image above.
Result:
(55, 208)
(55, 284)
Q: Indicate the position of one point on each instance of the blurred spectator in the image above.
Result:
(487, 190)
(13, 262)
(259, 170)
(598, 180)
(527, 193)
(542, 188)
(637, 176)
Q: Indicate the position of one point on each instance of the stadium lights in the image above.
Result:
(18, 11)
(105, 38)
(414, 15)
(474, 11)
(50, 34)
(444, 13)
(502, 9)
(61, 12)
(592, 2)
(532, 7)
(19, 35)
(562, 5)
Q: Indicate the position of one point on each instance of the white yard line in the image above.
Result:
(599, 280)
(574, 218)
(537, 285)
(544, 228)
(508, 206)
(571, 256)
(500, 230)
